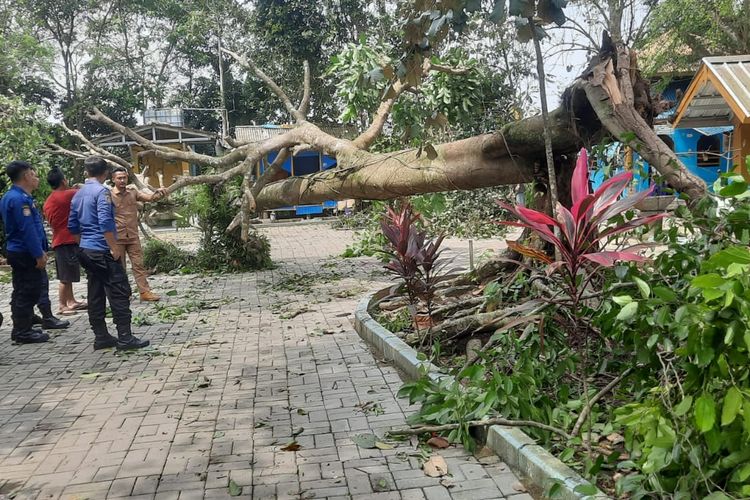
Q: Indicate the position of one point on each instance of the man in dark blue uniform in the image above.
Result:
(27, 246)
(92, 218)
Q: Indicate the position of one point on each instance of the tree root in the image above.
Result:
(422, 429)
(446, 310)
(480, 321)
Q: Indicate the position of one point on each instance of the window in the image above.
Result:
(308, 164)
(709, 151)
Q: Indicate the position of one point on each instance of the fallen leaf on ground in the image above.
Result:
(301, 411)
(202, 382)
(383, 446)
(90, 375)
(234, 489)
(519, 487)
(293, 446)
(435, 466)
(298, 431)
(447, 482)
(367, 441)
(438, 442)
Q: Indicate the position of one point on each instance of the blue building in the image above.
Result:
(705, 151)
(304, 163)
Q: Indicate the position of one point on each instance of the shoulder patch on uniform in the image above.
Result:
(108, 197)
(26, 210)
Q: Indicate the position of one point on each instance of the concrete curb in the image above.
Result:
(511, 444)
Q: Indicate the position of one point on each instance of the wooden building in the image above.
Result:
(180, 138)
(719, 96)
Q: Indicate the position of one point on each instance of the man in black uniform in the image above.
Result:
(27, 246)
(92, 217)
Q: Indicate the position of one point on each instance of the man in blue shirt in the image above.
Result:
(92, 218)
(26, 244)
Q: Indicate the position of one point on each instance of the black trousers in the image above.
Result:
(27, 287)
(106, 281)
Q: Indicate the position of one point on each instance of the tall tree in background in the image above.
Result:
(25, 62)
(681, 32)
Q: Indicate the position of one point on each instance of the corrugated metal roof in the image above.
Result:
(258, 133)
(719, 92)
(714, 130)
(160, 133)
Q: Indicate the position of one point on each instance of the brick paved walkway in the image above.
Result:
(220, 395)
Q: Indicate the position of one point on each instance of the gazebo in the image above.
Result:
(181, 138)
(719, 96)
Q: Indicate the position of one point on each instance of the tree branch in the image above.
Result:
(366, 138)
(109, 157)
(423, 429)
(250, 65)
(304, 105)
(599, 395)
(441, 68)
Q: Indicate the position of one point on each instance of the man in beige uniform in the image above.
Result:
(126, 198)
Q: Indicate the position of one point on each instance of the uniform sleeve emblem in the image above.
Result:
(108, 197)
(26, 211)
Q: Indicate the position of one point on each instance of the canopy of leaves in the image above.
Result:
(24, 60)
(681, 32)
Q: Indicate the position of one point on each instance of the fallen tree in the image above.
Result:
(608, 100)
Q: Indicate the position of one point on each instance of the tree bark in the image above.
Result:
(481, 161)
(609, 99)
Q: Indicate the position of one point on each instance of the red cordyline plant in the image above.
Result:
(415, 258)
(584, 230)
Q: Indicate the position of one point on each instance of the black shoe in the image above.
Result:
(102, 342)
(36, 320)
(53, 323)
(131, 342)
(33, 329)
(30, 337)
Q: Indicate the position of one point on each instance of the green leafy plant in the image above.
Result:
(415, 258)
(215, 208)
(163, 256)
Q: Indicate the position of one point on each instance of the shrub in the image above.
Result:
(163, 256)
(229, 253)
(215, 208)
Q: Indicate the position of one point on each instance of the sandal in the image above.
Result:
(67, 312)
(80, 306)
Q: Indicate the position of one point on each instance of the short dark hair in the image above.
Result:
(120, 169)
(16, 169)
(55, 177)
(95, 166)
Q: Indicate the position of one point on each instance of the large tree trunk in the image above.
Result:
(609, 99)
(467, 164)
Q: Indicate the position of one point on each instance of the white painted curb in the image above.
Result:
(511, 444)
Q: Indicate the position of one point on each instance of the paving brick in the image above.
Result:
(143, 429)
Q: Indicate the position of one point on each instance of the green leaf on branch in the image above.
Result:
(711, 280)
(732, 405)
(642, 287)
(734, 189)
(684, 406)
(628, 311)
(705, 413)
